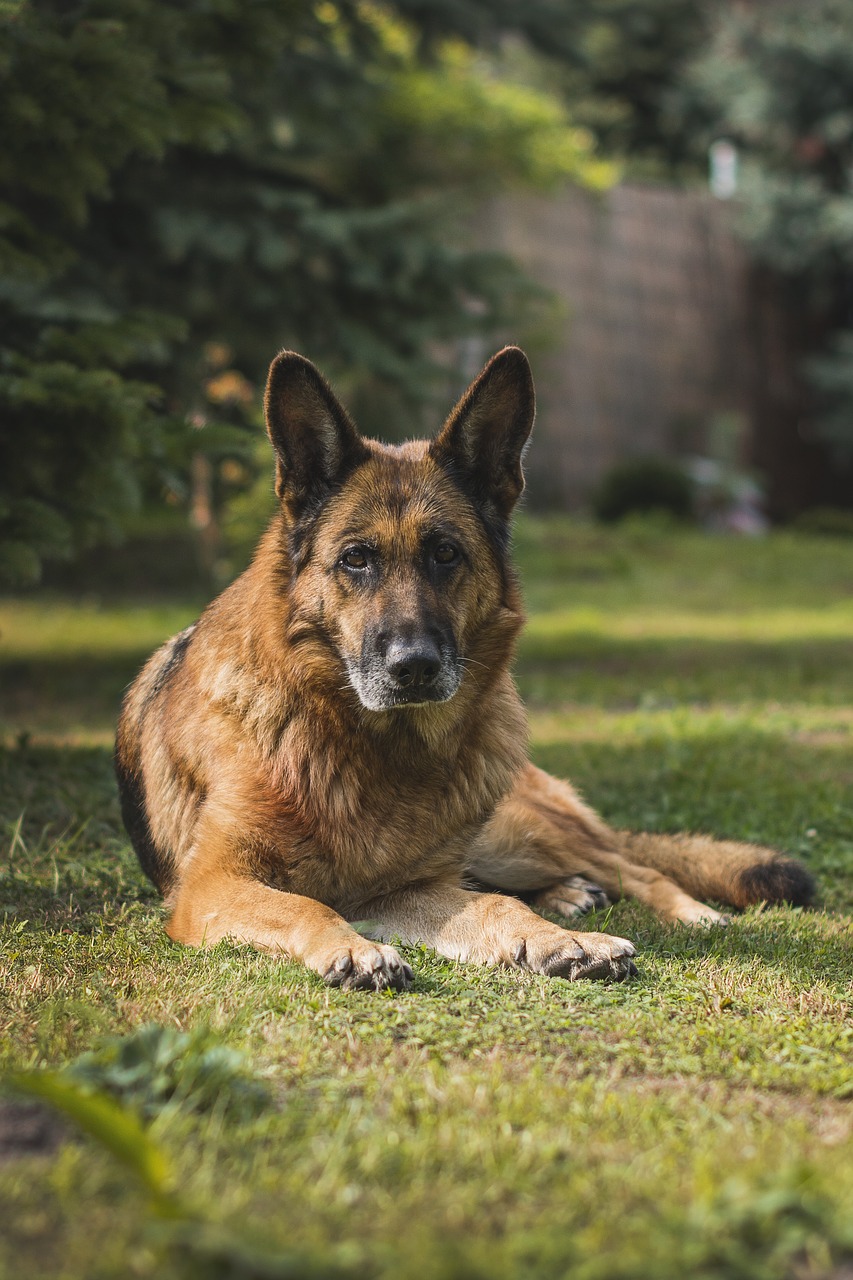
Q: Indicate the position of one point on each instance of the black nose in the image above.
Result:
(413, 664)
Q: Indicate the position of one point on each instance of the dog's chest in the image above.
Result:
(372, 823)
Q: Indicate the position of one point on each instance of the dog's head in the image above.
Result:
(398, 553)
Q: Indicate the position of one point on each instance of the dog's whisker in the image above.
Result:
(465, 664)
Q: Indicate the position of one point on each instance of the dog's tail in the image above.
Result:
(722, 870)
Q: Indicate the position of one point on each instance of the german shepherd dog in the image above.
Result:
(338, 737)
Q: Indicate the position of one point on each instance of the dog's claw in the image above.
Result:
(377, 968)
(584, 955)
(574, 896)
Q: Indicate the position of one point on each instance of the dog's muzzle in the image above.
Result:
(413, 668)
(410, 672)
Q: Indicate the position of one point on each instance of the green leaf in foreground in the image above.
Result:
(113, 1127)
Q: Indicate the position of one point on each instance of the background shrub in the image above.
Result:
(642, 485)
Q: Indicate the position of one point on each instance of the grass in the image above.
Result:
(696, 1121)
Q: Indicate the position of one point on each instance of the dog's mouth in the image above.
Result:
(416, 697)
(377, 692)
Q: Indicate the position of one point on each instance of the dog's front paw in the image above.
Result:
(369, 967)
(574, 896)
(561, 954)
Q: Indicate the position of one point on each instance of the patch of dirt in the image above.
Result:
(28, 1129)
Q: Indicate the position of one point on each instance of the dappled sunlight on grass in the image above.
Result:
(64, 666)
(548, 630)
(57, 629)
(802, 722)
(637, 673)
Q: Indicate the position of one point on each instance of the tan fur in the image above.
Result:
(275, 791)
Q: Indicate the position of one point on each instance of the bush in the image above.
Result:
(642, 485)
(825, 522)
(158, 1067)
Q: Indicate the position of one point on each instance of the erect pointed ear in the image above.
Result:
(315, 441)
(481, 442)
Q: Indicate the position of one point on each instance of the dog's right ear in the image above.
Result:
(315, 441)
(482, 441)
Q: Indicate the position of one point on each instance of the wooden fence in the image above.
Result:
(656, 337)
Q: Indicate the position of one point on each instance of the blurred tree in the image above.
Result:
(778, 81)
(618, 65)
(623, 67)
(187, 185)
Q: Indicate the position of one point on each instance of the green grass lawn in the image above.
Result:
(694, 1122)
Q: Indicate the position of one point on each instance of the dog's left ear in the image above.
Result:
(482, 441)
(315, 440)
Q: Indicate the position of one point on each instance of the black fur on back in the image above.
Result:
(177, 652)
(782, 880)
(157, 866)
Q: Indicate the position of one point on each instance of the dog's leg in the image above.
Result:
(543, 837)
(220, 904)
(491, 928)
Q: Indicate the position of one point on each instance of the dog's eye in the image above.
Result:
(445, 553)
(355, 558)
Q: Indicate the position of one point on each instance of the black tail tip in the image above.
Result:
(781, 880)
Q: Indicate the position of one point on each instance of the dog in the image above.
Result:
(338, 738)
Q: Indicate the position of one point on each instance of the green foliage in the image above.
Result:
(832, 377)
(156, 1068)
(825, 522)
(465, 120)
(624, 63)
(778, 81)
(84, 98)
(145, 1074)
(753, 1232)
(644, 485)
(186, 187)
(616, 63)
